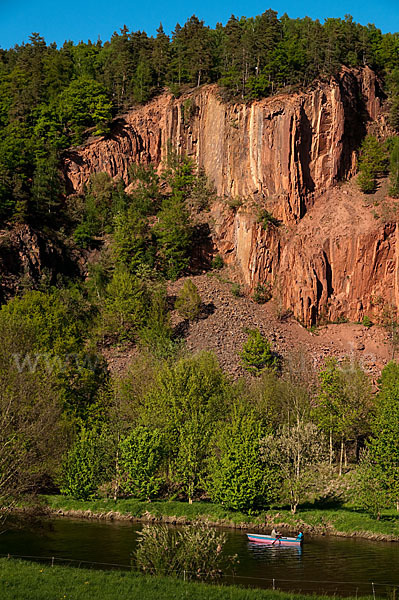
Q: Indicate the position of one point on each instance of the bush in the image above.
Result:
(366, 321)
(195, 550)
(236, 290)
(262, 293)
(217, 262)
(265, 218)
(188, 303)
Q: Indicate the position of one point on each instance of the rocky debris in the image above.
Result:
(223, 331)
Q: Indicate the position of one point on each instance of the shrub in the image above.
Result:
(262, 293)
(217, 262)
(236, 290)
(195, 550)
(366, 321)
(265, 218)
(188, 303)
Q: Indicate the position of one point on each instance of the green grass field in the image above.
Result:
(343, 519)
(20, 580)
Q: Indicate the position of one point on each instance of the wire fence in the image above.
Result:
(337, 588)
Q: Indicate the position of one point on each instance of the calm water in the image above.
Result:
(325, 564)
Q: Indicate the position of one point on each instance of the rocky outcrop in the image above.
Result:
(338, 263)
(283, 154)
(283, 149)
(29, 258)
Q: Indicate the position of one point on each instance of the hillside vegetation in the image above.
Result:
(174, 425)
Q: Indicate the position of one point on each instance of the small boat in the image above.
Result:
(275, 541)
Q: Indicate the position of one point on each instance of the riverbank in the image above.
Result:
(345, 521)
(20, 580)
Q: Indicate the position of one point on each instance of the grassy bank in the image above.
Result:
(344, 520)
(20, 580)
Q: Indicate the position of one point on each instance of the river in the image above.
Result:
(344, 566)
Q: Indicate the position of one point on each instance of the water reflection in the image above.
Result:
(263, 552)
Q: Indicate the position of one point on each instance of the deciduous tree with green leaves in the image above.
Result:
(141, 455)
(384, 443)
(86, 465)
(298, 453)
(344, 404)
(238, 478)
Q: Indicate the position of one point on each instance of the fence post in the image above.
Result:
(52, 561)
(274, 586)
(372, 585)
(184, 575)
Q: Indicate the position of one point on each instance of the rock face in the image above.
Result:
(28, 257)
(282, 154)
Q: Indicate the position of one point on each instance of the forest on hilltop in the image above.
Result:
(52, 97)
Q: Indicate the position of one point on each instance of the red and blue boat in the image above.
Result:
(276, 541)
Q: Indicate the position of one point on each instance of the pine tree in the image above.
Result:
(372, 163)
(161, 55)
(394, 169)
(256, 355)
(188, 303)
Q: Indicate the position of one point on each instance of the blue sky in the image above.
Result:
(89, 19)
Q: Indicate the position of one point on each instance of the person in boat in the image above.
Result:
(276, 534)
(300, 537)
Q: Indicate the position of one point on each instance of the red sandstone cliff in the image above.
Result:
(283, 154)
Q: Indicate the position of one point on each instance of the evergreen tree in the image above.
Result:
(256, 355)
(372, 163)
(394, 169)
(46, 185)
(161, 56)
(188, 303)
